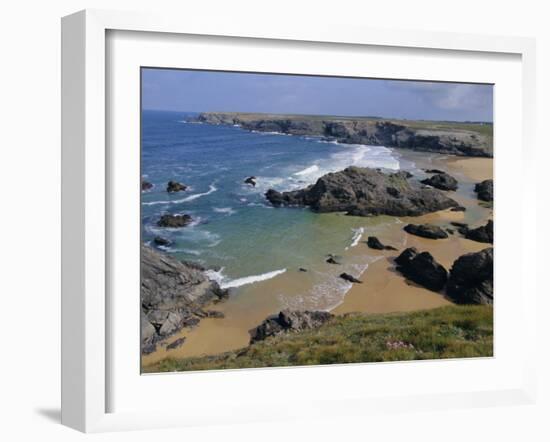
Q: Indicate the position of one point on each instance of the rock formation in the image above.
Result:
(442, 181)
(422, 268)
(174, 221)
(484, 190)
(480, 234)
(363, 192)
(174, 186)
(471, 278)
(287, 321)
(172, 296)
(426, 231)
(374, 243)
(350, 278)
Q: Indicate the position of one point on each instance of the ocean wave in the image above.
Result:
(212, 188)
(357, 234)
(225, 283)
(308, 170)
(225, 210)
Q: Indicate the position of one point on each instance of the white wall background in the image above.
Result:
(30, 219)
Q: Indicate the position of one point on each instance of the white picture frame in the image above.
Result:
(85, 216)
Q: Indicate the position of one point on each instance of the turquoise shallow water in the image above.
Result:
(235, 230)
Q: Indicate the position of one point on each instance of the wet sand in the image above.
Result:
(383, 290)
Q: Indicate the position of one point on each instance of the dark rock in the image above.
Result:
(174, 186)
(458, 224)
(160, 241)
(146, 185)
(374, 243)
(426, 231)
(287, 321)
(215, 314)
(450, 231)
(422, 268)
(364, 192)
(251, 180)
(458, 209)
(177, 343)
(434, 171)
(334, 259)
(350, 278)
(301, 269)
(484, 190)
(480, 234)
(174, 221)
(441, 181)
(172, 296)
(471, 278)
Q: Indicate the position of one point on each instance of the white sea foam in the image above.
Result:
(212, 189)
(226, 283)
(308, 170)
(357, 234)
(226, 210)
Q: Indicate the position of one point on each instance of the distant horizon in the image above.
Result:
(315, 115)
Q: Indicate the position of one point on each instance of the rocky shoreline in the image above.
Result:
(441, 137)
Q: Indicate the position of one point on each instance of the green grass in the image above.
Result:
(447, 332)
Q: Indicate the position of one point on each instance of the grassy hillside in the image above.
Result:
(447, 332)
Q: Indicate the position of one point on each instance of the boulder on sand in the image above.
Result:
(426, 231)
(334, 259)
(442, 181)
(422, 268)
(374, 243)
(364, 192)
(287, 321)
(480, 234)
(350, 278)
(471, 278)
(484, 190)
(174, 221)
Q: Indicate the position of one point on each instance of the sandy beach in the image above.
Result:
(383, 289)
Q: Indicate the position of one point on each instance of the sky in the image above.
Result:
(203, 91)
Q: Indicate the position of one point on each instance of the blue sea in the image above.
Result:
(235, 232)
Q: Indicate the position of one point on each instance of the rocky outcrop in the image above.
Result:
(480, 234)
(350, 278)
(448, 137)
(471, 278)
(484, 190)
(172, 296)
(160, 241)
(334, 259)
(251, 180)
(374, 243)
(174, 221)
(364, 192)
(146, 185)
(442, 181)
(288, 321)
(426, 231)
(422, 268)
(174, 186)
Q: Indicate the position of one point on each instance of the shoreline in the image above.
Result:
(382, 291)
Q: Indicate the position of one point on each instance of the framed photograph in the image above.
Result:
(249, 210)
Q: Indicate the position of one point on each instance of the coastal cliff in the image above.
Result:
(466, 139)
(173, 294)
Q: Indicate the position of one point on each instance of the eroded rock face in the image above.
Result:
(364, 192)
(287, 321)
(426, 231)
(174, 221)
(471, 278)
(456, 138)
(174, 186)
(480, 234)
(172, 296)
(484, 190)
(442, 181)
(422, 268)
